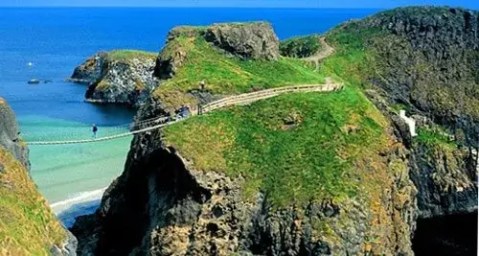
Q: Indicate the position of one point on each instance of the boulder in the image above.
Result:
(248, 40)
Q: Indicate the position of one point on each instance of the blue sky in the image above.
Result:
(245, 3)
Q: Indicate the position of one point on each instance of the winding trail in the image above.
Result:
(325, 51)
(241, 99)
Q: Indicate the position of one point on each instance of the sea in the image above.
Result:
(48, 43)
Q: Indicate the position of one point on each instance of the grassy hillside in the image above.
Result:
(227, 74)
(27, 226)
(126, 55)
(294, 147)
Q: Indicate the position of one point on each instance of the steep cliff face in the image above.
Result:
(429, 60)
(424, 60)
(27, 225)
(10, 134)
(122, 76)
(191, 204)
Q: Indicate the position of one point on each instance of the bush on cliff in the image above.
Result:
(300, 47)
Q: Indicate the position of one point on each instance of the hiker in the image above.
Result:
(94, 130)
(202, 85)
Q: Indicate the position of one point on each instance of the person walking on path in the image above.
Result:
(94, 130)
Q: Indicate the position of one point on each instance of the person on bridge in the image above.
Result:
(94, 130)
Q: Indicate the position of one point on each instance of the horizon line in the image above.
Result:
(229, 7)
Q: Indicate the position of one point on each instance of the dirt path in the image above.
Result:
(325, 51)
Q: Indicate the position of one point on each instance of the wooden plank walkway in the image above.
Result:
(242, 99)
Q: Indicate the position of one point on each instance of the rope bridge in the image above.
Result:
(162, 121)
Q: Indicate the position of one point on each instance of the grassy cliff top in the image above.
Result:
(27, 226)
(224, 73)
(126, 55)
(294, 147)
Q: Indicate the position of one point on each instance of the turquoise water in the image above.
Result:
(64, 171)
(55, 40)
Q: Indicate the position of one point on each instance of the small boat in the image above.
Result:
(33, 81)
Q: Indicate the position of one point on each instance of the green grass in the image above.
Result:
(299, 47)
(225, 74)
(317, 158)
(434, 137)
(27, 226)
(125, 55)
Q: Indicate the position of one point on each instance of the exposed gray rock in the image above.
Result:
(128, 82)
(69, 247)
(89, 71)
(10, 134)
(124, 80)
(446, 180)
(247, 40)
(161, 205)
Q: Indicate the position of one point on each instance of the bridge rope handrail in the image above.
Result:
(164, 120)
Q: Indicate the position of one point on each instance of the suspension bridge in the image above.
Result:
(162, 121)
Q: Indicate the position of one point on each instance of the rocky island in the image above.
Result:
(121, 76)
(331, 173)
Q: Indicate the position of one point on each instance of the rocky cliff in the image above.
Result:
(307, 174)
(187, 203)
(27, 225)
(122, 76)
(424, 60)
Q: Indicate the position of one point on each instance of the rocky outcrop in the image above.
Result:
(20, 198)
(89, 71)
(173, 55)
(124, 77)
(247, 40)
(10, 134)
(428, 58)
(445, 179)
(178, 210)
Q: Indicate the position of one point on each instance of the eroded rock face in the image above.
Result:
(125, 81)
(128, 82)
(172, 56)
(446, 180)
(10, 134)
(247, 40)
(161, 205)
(429, 59)
(89, 71)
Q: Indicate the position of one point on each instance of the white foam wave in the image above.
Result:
(80, 198)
